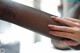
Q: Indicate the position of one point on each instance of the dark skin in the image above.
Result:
(27, 17)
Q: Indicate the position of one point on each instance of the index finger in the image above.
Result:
(67, 22)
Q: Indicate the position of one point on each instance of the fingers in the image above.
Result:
(72, 19)
(62, 34)
(67, 22)
(62, 28)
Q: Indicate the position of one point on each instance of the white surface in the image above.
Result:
(46, 48)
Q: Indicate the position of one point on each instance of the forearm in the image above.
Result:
(25, 16)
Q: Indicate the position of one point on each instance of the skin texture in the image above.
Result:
(72, 31)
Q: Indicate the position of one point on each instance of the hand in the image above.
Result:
(71, 32)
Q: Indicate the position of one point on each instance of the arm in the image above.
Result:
(25, 16)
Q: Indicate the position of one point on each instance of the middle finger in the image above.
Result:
(63, 28)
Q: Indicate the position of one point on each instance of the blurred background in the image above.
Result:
(31, 42)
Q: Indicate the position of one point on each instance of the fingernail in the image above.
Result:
(50, 25)
(53, 17)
